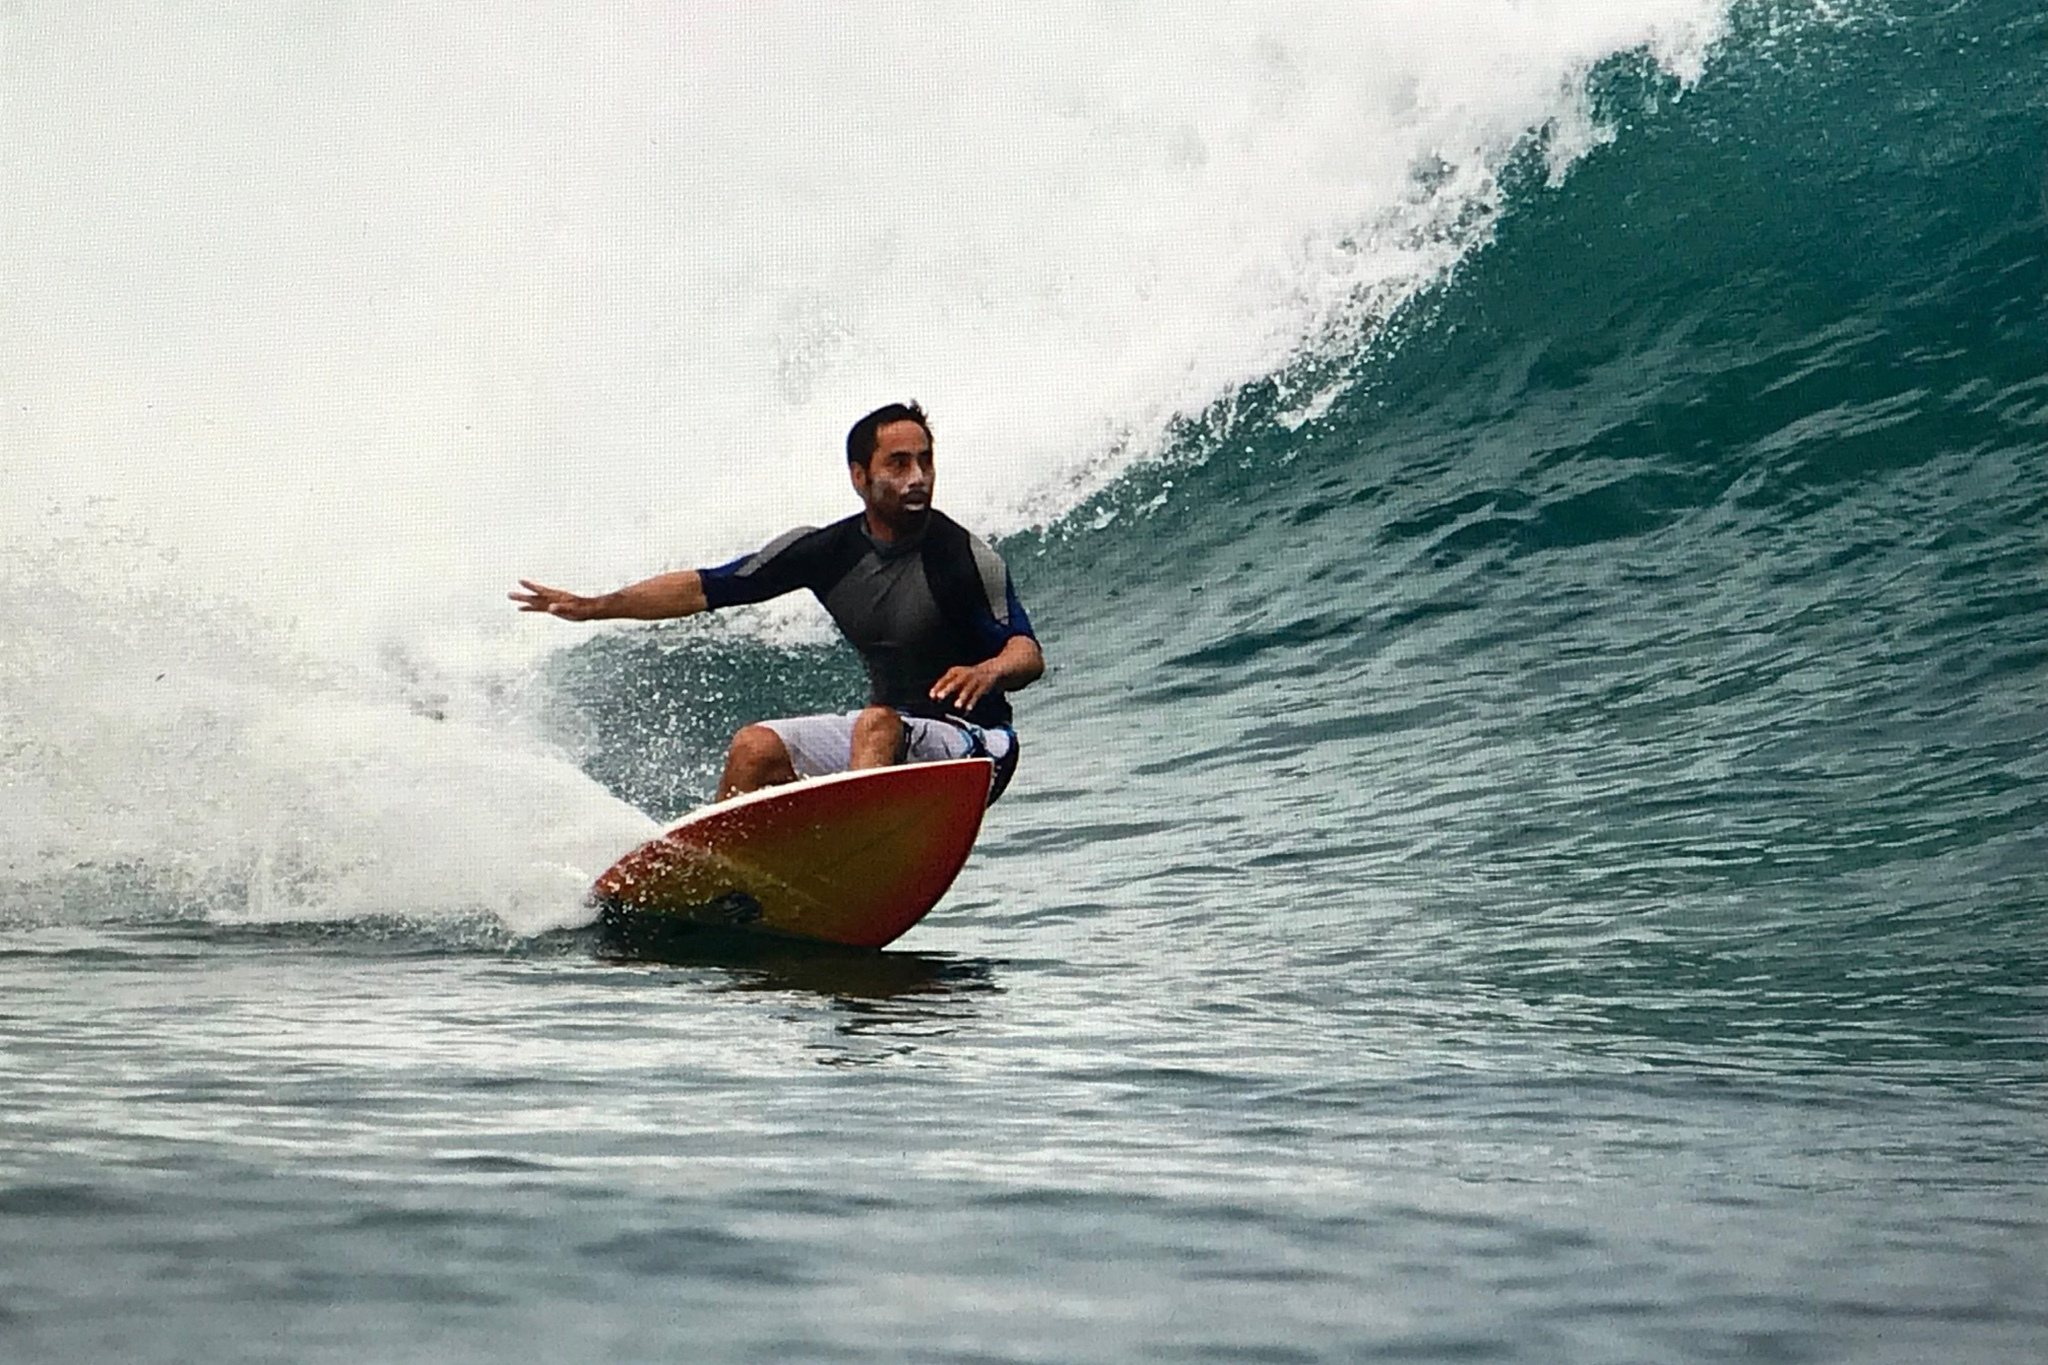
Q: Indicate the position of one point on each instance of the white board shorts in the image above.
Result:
(819, 745)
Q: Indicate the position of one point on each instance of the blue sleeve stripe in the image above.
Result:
(726, 570)
(725, 585)
(1019, 623)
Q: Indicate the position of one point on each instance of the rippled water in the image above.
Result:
(384, 1148)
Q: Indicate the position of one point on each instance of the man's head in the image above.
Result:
(889, 456)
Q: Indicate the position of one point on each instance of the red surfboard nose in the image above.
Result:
(854, 858)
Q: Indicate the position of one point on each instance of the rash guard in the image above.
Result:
(913, 608)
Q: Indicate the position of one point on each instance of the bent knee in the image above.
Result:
(757, 744)
(878, 720)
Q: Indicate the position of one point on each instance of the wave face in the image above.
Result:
(1658, 614)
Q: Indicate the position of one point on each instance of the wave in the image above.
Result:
(325, 327)
(1657, 600)
(1566, 455)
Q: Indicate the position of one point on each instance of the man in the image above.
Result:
(929, 606)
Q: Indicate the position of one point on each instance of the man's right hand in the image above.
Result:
(555, 602)
(655, 599)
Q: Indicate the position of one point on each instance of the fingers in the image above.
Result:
(963, 687)
(553, 601)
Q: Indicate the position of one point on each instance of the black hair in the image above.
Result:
(860, 441)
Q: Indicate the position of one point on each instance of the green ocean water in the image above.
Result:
(1534, 847)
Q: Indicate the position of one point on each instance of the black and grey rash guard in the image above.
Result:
(913, 608)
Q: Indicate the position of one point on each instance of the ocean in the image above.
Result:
(1533, 845)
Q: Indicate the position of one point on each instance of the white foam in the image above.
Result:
(354, 314)
(152, 733)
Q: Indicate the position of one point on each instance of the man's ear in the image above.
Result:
(859, 474)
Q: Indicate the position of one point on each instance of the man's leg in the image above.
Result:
(756, 759)
(877, 738)
(777, 751)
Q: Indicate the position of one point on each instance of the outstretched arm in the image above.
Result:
(652, 599)
(1020, 664)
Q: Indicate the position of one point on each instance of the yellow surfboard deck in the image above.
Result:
(854, 858)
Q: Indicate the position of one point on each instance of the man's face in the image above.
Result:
(896, 483)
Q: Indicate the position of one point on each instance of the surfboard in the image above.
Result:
(854, 858)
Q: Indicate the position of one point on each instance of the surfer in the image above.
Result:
(929, 606)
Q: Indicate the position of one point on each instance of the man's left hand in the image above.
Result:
(963, 685)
